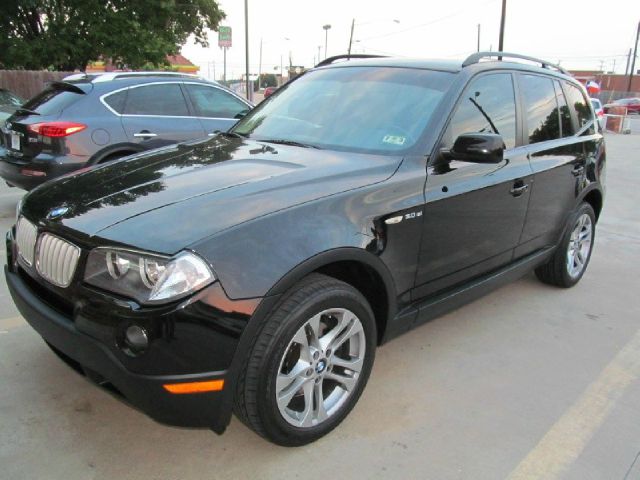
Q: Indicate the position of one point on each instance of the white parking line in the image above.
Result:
(568, 437)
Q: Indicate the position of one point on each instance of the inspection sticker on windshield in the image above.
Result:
(395, 139)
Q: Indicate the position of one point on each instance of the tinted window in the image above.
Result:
(214, 102)
(364, 109)
(117, 100)
(580, 106)
(156, 99)
(52, 100)
(566, 125)
(7, 98)
(487, 106)
(541, 110)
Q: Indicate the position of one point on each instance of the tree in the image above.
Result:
(68, 34)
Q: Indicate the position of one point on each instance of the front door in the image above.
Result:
(474, 213)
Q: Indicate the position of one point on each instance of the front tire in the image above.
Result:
(309, 363)
(569, 262)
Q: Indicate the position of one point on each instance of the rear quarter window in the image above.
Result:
(581, 108)
(117, 100)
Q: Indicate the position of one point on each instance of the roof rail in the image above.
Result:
(476, 57)
(108, 76)
(330, 60)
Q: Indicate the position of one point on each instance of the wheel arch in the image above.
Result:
(123, 148)
(357, 267)
(594, 198)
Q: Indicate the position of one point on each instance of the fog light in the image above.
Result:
(136, 338)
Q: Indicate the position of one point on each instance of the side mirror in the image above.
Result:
(478, 148)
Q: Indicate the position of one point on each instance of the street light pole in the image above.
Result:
(353, 23)
(246, 41)
(260, 64)
(478, 38)
(502, 20)
(633, 59)
(326, 38)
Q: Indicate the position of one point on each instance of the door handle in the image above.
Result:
(145, 134)
(578, 171)
(518, 189)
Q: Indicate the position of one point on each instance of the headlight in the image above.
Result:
(147, 278)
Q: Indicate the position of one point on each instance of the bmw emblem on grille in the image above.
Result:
(57, 212)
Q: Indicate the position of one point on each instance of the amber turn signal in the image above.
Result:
(195, 387)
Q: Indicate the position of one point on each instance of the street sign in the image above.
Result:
(224, 36)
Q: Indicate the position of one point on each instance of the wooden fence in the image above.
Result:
(27, 83)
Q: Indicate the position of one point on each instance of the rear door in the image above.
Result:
(157, 114)
(216, 108)
(557, 117)
(474, 212)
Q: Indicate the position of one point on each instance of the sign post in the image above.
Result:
(224, 42)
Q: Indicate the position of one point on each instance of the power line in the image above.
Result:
(422, 25)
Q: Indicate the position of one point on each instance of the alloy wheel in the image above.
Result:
(320, 367)
(579, 245)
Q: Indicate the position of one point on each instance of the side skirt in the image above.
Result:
(429, 308)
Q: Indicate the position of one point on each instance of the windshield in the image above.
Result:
(363, 109)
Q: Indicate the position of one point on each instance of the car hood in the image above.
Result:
(166, 199)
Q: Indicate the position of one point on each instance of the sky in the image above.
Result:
(585, 34)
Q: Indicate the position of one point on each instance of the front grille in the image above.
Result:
(57, 259)
(26, 234)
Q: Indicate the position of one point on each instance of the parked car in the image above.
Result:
(599, 111)
(258, 270)
(9, 102)
(269, 91)
(632, 105)
(86, 120)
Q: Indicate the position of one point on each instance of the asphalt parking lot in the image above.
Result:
(530, 382)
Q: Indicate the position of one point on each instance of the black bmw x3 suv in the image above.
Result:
(257, 271)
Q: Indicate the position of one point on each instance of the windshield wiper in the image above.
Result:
(228, 134)
(26, 110)
(293, 143)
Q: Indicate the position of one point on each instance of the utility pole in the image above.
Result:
(626, 68)
(260, 64)
(326, 38)
(319, 47)
(502, 20)
(478, 48)
(353, 23)
(633, 59)
(246, 46)
(281, 72)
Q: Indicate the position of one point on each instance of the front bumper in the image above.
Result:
(28, 173)
(145, 392)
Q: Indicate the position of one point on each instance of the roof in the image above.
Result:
(179, 60)
(428, 64)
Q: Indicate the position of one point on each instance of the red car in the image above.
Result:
(632, 104)
(269, 91)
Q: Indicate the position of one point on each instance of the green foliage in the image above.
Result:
(266, 80)
(68, 34)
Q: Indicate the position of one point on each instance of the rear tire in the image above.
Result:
(309, 362)
(570, 260)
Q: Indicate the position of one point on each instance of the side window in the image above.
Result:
(487, 106)
(214, 102)
(565, 116)
(541, 110)
(581, 107)
(156, 99)
(117, 100)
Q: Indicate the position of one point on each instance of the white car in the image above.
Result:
(597, 107)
